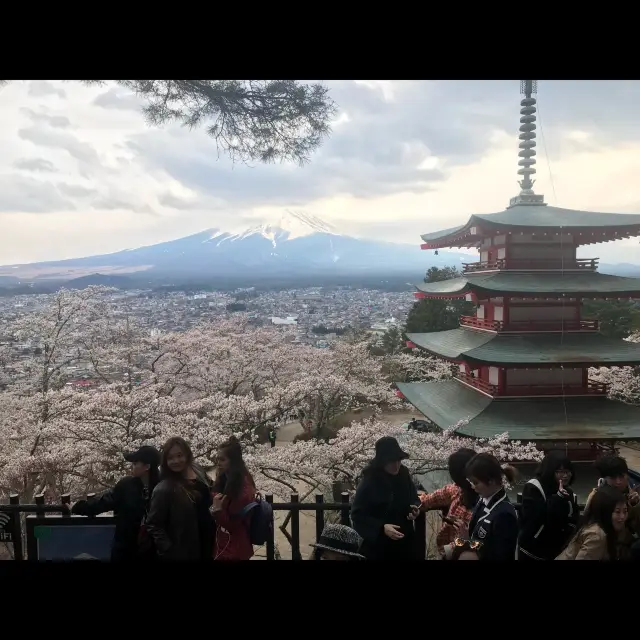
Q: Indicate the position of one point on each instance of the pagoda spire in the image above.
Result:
(528, 88)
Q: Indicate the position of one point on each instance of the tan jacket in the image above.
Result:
(625, 537)
(588, 544)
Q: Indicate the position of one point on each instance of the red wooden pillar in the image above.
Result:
(502, 380)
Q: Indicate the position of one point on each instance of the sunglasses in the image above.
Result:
(463, 544)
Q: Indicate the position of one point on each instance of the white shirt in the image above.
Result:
(490, 498)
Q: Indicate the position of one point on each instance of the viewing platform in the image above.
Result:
(593, 388)
(515, 264)
(528, 326)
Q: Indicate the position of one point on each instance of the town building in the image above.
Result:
(524, 356)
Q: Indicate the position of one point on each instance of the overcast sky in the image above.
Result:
(81, 173)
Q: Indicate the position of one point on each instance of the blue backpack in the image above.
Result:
(261, 520)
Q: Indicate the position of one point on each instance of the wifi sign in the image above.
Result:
(6, 534)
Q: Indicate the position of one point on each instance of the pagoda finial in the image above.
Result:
(527, 145)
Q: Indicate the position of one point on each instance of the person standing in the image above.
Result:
(493, 530)
(614, 472)
(179, 520)
(458, 498)
(129, 501)
(604, 519)
(385, 505)
(272, 436)
(550, 511)
(234, 489)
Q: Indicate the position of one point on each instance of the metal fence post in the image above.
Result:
(39, 499)
(271, 545)
(319, 522)
(66, 499)
(295, 528)
(16, 534)
(344, 512)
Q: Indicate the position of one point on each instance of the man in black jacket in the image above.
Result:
(129, 501)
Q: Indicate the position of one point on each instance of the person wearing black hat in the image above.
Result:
(385, 505)
(129, 501)
(338, 542)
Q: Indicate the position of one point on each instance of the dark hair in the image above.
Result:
(176, 441)
(230, 483)
(600, 511)
(546, 472)
(486, 468)
(612, 467)
(457, 470)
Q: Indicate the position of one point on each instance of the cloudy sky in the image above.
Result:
(81, 173)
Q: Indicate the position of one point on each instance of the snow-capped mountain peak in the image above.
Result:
(287, 226)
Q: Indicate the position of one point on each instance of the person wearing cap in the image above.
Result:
(385, 505)
(129, 501)
(338, 542)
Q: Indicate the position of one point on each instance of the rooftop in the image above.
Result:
(586, 284)
(539, 217)
(529, 349)
(446, 403)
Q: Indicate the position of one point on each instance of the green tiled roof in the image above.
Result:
(533, 349)
(526, 216)
(535, 283)
(446, 403)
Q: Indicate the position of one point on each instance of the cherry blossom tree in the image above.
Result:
(624, 382)
(204, 385)
(417, 367)
(314, 466)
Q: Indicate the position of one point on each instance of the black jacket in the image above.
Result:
(127, 501)
(546, 522)
(495, 526)
(182, 527)
(385, 499)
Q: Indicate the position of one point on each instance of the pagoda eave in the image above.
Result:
(587, 227)
(536, 349)
(448, 402)
(554, 284)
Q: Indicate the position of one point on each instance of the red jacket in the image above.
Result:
(233, 540)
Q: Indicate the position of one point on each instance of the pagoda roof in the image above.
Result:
(558, 283)
(537, 217)
(529, 349)
(448, 402)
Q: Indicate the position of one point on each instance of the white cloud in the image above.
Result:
(81, 173)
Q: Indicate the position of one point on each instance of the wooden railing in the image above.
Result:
(529, 325)
(535, 264)
(593, 388)
(477, 383)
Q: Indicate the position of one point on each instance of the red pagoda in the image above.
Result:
(524, 356)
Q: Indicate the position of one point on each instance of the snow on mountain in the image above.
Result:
(288, 226)
(293, 243)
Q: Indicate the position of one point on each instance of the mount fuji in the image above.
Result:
(290, 245)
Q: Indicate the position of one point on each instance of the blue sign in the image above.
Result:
(74, 541)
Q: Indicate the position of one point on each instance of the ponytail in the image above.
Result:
(510, 473)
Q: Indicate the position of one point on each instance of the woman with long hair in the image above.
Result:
(492, 533)
(603, 520)
(129, 500)
(458, 498)
(385, 505)
(550, 510)
(234, 490)
(179, 520)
